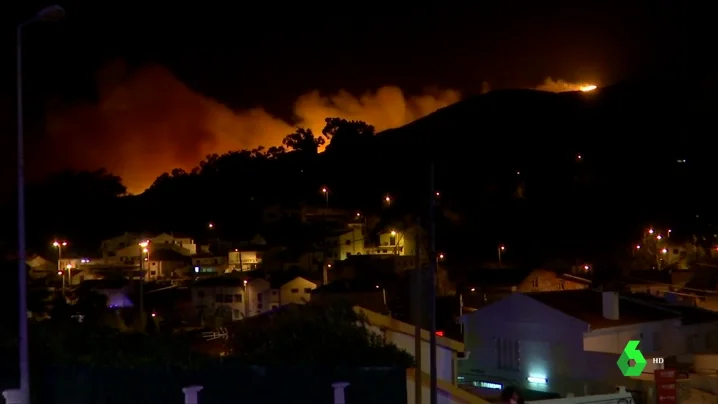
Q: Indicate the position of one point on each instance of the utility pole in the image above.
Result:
(432, 287)
(418, 313)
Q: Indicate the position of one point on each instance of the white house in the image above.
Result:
(563, 342)
(219, 298)
(297, 290)
(261, 296)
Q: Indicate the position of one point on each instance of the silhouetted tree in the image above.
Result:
(316, 333)
(303, 140)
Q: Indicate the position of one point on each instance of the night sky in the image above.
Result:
(141, 89)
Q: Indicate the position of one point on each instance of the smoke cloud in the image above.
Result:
(147, 122)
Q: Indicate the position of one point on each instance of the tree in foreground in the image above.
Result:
(315, 334)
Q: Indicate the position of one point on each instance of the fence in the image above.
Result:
(220, 385)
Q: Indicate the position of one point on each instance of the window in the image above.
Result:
(307, 290)
(657, 341)
(507, 354)
(561, 285)
(259, 305)
(238, 298)
(228, 298)
(235, 313)
(295, 290)
(348, 242)
(259, 296)
(219, 298)
(392, 240)
(535, 282)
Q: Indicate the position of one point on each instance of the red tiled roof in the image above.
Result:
(587, 305)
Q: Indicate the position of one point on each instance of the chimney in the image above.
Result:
(610, 305)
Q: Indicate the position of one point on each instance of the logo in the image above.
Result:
(630, 352)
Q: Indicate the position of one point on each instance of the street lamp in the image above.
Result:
(47, 14)
(325, 191)
(145, 251)
(501, 250)
(59, 245)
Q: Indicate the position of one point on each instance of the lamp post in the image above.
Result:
(501, 251)
(59, 245)
(145, 255)
(51, 13)
(325, 191)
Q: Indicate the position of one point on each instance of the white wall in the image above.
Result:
(658, 338)
(296, 291)
(444, 356)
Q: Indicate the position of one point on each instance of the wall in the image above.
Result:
(297, 291)
(351, 243)
(261, 297)
(204, 299)
(248, 260)
(547, 281)
(550, 346)
(660, 338)
(444, 356)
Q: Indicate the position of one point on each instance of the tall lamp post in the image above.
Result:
(144, 256)
(51, 13)
(59, 245)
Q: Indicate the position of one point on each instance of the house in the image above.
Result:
(261, 297)
(298, 290)
(181, 244)
(485, 286)
(209, 263)
(110, 246)
(164, 263)
(564, 342)
(247, 258)
(448, 353)
(41, 267)
(356, 239)
(219, 299)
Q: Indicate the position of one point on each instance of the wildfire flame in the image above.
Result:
(587, 88)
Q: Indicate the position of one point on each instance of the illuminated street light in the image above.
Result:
(586, 267)
(144, 250)
(438, 194)
(59, 245)
(393, 233)
(358, 214)
(664, 251)
(441, 256)
(638, 246)
(501, 250)
(325, 191)
(211, 225)
(659, 237)
(473, 289)
(650, 231)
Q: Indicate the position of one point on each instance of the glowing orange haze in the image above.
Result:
(149, 122)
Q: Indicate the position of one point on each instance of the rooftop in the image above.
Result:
(587, 305)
